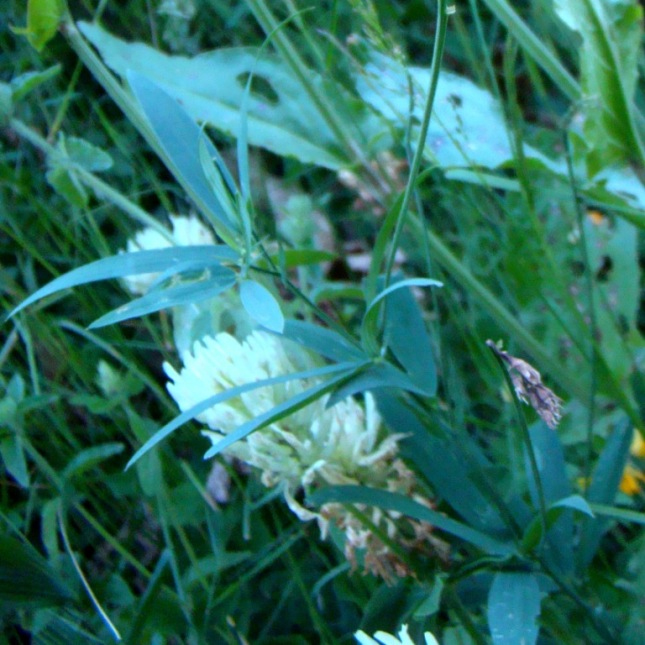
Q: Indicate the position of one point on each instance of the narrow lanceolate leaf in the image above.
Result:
(513, 608)
(211, 283)
(180, 139)
(139, 262)
(611, 34)
(279, 115)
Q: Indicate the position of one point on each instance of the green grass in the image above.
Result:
(537, 249)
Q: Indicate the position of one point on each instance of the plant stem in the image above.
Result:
(437, 55)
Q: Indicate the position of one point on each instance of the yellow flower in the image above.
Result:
(630, 484)
(637, 449)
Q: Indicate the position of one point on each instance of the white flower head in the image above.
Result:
(384, 638)
(312, 447)
(186, 231)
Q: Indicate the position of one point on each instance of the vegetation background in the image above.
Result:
(526, 202)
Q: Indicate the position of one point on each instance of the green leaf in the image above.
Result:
(467, 127)
(452, 467)
(370, 324)
(68, 186)
(6, 103)
(196, 410)
(13, 457)
(406, 335)
(549, 455)
(603, 488)
(90, 457)
(180, 137)
(214, 280)
(624, 515)
(611, 32)
(280, 115)
(62, 175)
(375, 376)
(406, 506)
(305, 257)
(29, 81)
(138, 262)
(323, 341)
(26, 579)
(43, 18)
(513, 609)
(262, 306)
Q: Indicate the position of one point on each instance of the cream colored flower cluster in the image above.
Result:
(314, 446)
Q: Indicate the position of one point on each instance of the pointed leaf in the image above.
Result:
(323, 341)
(406, 335)
(180, 137)
(369, 327)
(216, 280)
(603, 488)
(124, 264)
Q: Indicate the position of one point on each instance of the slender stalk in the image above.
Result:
(437, 55)
(593, 323)
(528, 444)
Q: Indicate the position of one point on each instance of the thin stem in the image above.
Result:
(593, 323)
(437, 55)
(526, 438)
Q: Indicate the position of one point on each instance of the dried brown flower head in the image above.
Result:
(529, 388)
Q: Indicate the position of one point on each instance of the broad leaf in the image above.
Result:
(323, 341)
(280, 115)
(453, 468)
(26, 578)
(611, 32)
(370, 323)
(467, 126)
(43, 18)
(603, 488)
(513, 609)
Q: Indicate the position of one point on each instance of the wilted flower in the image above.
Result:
(309, 448)
(529, 387)
(186, 231)
(384, 638)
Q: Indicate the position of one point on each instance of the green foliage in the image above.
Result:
(522, 200)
